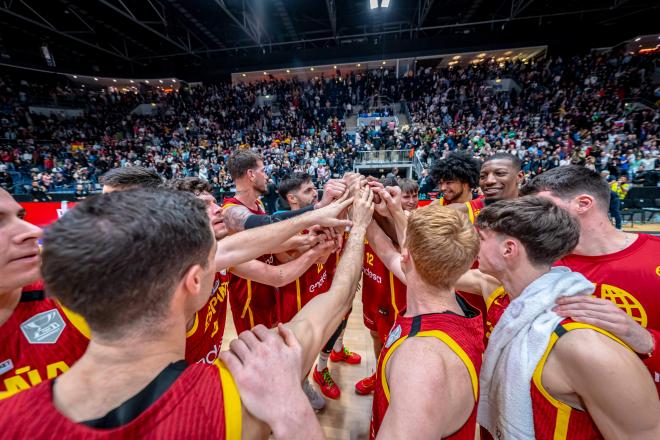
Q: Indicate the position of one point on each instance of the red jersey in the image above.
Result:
(204, 339)
(463, 334)
(202, 402)
(553, 419)
(40, 340)
(630, 279)
(252, 303)
(315, 281)
(474, 207)
(383, 295)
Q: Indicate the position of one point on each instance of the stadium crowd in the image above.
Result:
(577, 110)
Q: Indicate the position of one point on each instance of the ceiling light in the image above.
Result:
(384, 3)
(244, 75)
(83, 86)
(160, 81)
(173, 80)
(132, 81)
(265, 73)
(637, 39)
(373, 4)
(359, 64)
(75, 76)
(334, 67)
(508, 52)
(481, 55)
(456, 57)
(384, 62)
(114, 80)
(288, 71)
(147, 81)
(311, 68)
(96, 79)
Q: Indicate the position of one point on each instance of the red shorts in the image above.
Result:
(261, 308)
(377, 311)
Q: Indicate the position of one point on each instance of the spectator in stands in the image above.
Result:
(38, 192)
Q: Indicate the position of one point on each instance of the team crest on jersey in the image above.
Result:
(393, 336)
(6, 365)
(44, 328)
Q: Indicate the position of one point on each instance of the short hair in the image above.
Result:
(241, 161)
(408, 186)
(515, 160)
(113, 273)
(389, 181)
(131, 177)
(442, 243)
(457, 166)
(193, 185)
(547, 231)
(292, 183)
(568, 181)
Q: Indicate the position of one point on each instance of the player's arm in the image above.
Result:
(628, 407)
(433, 415)
(319, 318)
(384, 248)
(278, 276)
(233, 250)
(476, 282)
(605, 314)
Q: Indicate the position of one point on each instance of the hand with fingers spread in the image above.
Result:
(605, 314)
(363, 208)
(331, 215)
(266, 366)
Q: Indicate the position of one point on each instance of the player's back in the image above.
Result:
(193, 402)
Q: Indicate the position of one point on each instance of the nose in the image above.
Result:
(489, 179)
(26, 232)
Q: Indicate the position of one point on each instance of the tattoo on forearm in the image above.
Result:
(235, 218)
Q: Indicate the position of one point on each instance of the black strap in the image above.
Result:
(560, 330)
(416, 325)
(32, 295)
(136, 405)
(466, 307)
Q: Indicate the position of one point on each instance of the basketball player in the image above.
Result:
(129, 177)
(543, 376)
(131, 381)
(456, 176)
(251, 302)
(39, 338)
(624, 266)
(299, 192)
(383, 293)
(427, 375)
(205, 330)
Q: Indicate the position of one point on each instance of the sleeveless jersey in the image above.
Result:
(553, 419)
(630, 279)
(252, 303)
(40, 340)
(463, 334)
(204, 339)
(203, 402)
(315, 281)
(383, 295)
(474, 207)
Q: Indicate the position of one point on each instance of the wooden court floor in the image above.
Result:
(350, 415)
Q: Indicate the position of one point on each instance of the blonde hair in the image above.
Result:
(442, 242)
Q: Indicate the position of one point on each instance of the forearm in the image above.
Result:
(384, 249)
(388, 227)
(255, 221)
(302, 425)
(652, 358)
(400, 224)
(234, 249)
(316, 322)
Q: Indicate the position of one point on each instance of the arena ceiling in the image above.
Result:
(192, 39)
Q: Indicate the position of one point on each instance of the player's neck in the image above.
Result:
(111, 372)
(423, 298)
(517, 279)
(247, 194)
(8, 302)
(599, 237)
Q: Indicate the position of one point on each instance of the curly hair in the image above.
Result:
(193, 185)
(457, 166)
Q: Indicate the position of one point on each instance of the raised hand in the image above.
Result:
(363, 208)
(332, 190)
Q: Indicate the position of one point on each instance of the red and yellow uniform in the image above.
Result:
(463, 334)
(315, 281)
(553, 419)
(383, 295)
(252, 303)
(202, 402)
(40, 340)
(474, 207)
(630, 279)
(204, 339)
(443, 202)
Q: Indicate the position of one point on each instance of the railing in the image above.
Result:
(384, 157)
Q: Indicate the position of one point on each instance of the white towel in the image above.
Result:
(515, 348)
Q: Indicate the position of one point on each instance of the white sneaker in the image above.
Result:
(317, 401)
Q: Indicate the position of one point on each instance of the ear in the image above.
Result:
(520, 176)
(583, 203)
(290, 198)
(191, 282)
(510, 248)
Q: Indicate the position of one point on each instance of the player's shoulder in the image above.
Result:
(437, 358)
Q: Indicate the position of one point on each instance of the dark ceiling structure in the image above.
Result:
(196, 39)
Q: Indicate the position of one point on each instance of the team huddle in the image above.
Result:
(518, 311)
